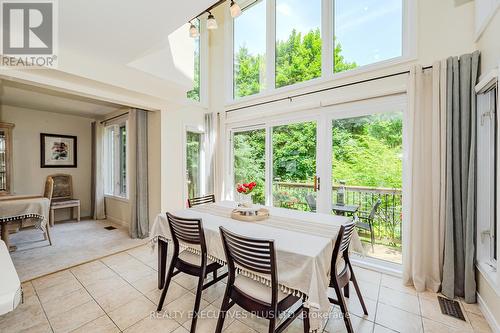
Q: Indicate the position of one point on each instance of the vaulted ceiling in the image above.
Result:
(138, 45)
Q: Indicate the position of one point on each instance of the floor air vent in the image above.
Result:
(451, 308)
(109, 227)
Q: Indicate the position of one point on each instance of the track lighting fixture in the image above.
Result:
(193, 31)
(235, 9)
(211, 22)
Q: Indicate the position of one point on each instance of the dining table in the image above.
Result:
(304, 243)
(19, 207)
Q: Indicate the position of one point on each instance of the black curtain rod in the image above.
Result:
(208, 9)
(323, 90)
(123, 114)
(118, 116)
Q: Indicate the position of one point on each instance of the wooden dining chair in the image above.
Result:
(210, 198)
(342, 273)
(47, 193)
(190, 233)
(256, 255)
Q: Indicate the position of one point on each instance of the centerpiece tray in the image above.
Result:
(249, 214)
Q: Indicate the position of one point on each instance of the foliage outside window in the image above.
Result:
(194, 94)
(298, 41)
(294, 162)
(367, 150)
(193, 163)
(249, 151)
(115, 160)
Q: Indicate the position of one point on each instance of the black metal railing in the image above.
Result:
(388, 219)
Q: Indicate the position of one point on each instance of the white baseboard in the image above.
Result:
(117, 221)
(495, 327)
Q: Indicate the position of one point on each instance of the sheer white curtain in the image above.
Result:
(210, 151)
(424, 217)
(97, 181)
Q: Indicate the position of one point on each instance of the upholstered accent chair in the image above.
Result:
(62, 196)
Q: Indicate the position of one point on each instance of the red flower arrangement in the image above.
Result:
(246, 188)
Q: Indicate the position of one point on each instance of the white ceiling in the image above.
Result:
(37, 98)
(138, 45)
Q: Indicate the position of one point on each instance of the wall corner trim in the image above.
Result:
(488, 315)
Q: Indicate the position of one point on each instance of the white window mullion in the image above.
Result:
(204, 61)
(327, 35)
(270, 45)
(229, 57)
(269, 166)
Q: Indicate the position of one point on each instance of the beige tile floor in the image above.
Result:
(119, 294)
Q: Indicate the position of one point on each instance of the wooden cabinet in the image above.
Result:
(5, 157)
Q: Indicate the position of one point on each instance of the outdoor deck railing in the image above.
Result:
(388, 220)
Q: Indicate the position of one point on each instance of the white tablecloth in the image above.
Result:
(13, 207)
(303, 259)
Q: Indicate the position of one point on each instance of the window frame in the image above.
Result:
(204, 63)
(409, 45)
(203, 148)
(113, 167)
(485, 263)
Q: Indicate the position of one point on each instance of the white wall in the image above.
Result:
(489, 45)
(29, 178)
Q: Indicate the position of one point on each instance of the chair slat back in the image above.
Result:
(253, 254)
(186, 230)
(201, 200)
(63, 186)
(342, 243)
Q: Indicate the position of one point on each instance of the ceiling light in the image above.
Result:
(211, 22)
(193, 31)
(235, 9)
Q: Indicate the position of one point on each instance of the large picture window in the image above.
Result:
(115, 174)
(249, 50)
(298, 41)
(287, 42)
(366, 32)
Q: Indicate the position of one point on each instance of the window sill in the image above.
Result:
(317, 83)
(490, 275)
(116, 197)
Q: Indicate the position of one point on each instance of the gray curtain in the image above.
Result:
(460, 215)
(97, 204)
(210, 142)
(139, 200)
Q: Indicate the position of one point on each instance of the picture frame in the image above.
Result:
(58, 151)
